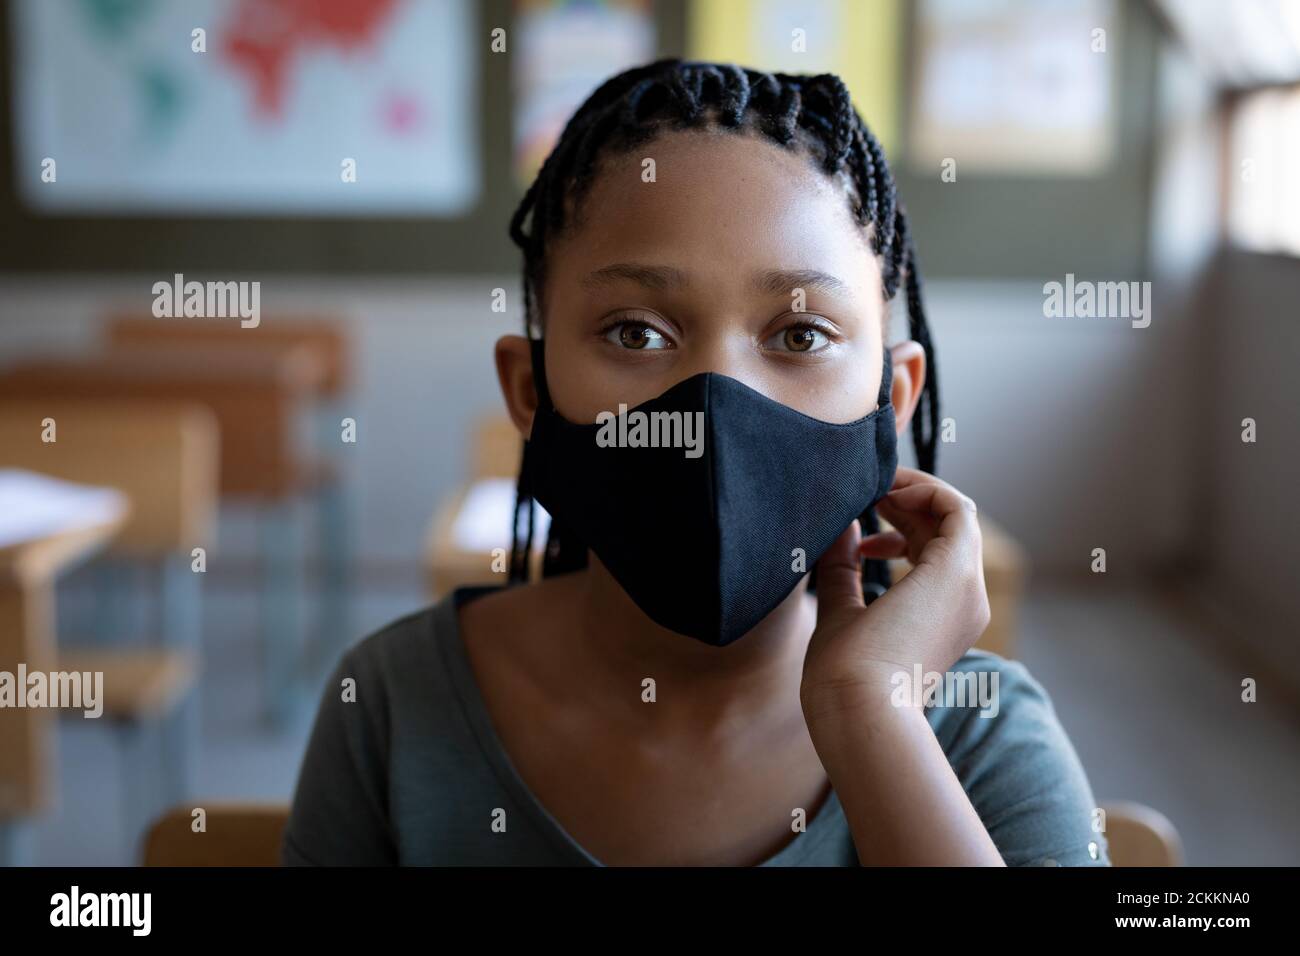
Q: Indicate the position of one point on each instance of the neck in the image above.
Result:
(702, 685)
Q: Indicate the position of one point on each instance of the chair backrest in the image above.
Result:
(249, 834)
(323, 335)
(233, 834)
(496, 448)
(1139, 835)
(255, 394)
(164, 457)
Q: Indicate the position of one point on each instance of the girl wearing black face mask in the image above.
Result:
(712, 668)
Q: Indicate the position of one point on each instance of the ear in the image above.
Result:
(908, 359)
(515, 373)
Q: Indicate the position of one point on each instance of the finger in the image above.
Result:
(904, 477)
(934, 498)
(839, 575)
(917, 529)
(932, 509)
(883, 545)
(911, 521)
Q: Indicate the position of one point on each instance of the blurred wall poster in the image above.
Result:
(1013, 86)
(565, 50)
(246, 106)
(858, 40)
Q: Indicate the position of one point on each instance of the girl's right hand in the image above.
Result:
(930, 617)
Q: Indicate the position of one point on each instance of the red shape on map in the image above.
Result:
(263, 37)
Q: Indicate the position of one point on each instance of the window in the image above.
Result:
(1264, 196)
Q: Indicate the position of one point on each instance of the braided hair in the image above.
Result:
(810, 113)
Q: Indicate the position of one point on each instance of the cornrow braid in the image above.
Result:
(814, 113)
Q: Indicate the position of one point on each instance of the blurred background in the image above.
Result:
(207, 504)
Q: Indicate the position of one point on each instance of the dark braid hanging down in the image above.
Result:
(813, 113)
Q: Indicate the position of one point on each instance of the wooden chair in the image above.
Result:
(235, 834)
(165, 459)
(256, 397)
(1139, 835)
(496, 448)
(495, 452)
(283, 334)
(28, 570)
(279, 332)
(253, 395)
(249, 834)
(164, 456)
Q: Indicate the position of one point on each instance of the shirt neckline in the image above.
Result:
(447, 634)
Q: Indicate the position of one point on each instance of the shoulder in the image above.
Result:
(993, 687)
(342, 801)
(402, 755)
(1000, 731)
(401, 648)
(421, 658)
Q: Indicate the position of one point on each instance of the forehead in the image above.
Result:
(720, 202)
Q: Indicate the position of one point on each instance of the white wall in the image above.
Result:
(1068, 428)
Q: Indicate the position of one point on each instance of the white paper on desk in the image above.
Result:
(33, 505)
(483, 522)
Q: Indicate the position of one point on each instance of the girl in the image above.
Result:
(712, 669)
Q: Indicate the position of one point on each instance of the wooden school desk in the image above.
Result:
(164, 457)
(282, 332)
(257, 397)
(279, 332)
(28, 568)
(254, 394)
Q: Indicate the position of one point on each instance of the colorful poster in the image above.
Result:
(858, 40)
(247, 106)
(566, 49)
(1013, 86)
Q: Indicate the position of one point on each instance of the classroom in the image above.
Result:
(274, 503)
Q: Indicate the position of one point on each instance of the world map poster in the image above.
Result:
(241, 107)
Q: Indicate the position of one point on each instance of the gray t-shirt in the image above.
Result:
(412, 771)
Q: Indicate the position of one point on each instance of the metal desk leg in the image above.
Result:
(336, 582)
(17, 842)
(281, 593)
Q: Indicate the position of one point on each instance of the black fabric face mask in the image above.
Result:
(703, 534)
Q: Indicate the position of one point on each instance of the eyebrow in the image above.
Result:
(663, 278)
(659, 278)
(785, 281)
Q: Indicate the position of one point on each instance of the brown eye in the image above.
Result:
(636, 335)
(800, 338)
